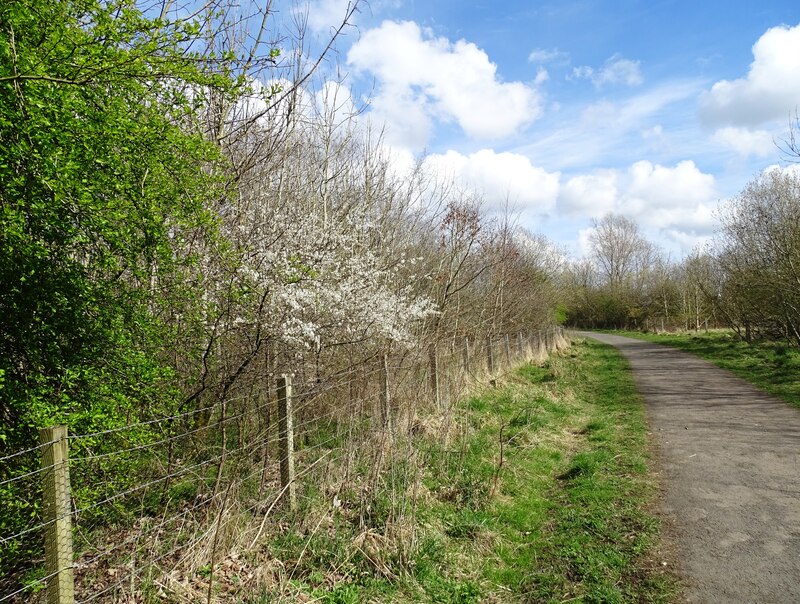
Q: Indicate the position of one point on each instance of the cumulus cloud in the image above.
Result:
(687, 241)
(746, 142)
(542, 76)
(500, 177)
(680, 197)
(660, 186)
(422, 78)
(615, 70)
(769, 91)
(594, 194)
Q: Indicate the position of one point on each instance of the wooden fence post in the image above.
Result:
(57, 516)
(434, 375)
(489, 355)
(286, 439)
(520, 345)
(508, 350)
(385, 398)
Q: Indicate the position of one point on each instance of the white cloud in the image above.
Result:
(683, 186)
(620, 71)
(401, 160)
(680, 197)
(421, 78)
(746, 142)
(769, 91)
(553, 55)
(404, 116)
(699, 219)
(687, 241)
(323, 15)
(606, 133)
(594, 194)
(541, 76)
(615, 70)
(500, 177)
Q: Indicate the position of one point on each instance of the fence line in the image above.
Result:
(182, 480)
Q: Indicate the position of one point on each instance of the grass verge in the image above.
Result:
(537, 491)
(772, 366)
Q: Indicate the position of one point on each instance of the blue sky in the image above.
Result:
(656, 110)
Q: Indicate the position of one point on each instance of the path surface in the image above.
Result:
(731, 474)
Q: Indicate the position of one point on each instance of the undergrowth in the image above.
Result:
(536, 490)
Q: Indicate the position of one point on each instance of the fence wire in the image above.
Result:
(149, 499)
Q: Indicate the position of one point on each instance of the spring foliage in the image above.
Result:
(182, 214)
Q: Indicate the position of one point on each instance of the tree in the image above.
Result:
(624, 260)
(103, 203)
(99, 189)
(698, 278)
(758, 253)
(619, 249)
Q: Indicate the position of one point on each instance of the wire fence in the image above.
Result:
(162, 505)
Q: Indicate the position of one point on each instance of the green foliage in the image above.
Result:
(341, 594)
(560, 314)
(100, 194)
(599, 525)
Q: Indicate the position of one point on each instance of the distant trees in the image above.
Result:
(621, 283)
(748, 278)
(622, 255)
(698, 278)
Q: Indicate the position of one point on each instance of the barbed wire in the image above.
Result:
(405, 371)
(169, 553)
(23, 476)
(25, 451)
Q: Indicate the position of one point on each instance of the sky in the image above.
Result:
(568, 110)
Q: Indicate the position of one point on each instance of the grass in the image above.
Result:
(544, 496)
(772, 366)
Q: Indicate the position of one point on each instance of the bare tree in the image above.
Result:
(619, 249)
(758, 253)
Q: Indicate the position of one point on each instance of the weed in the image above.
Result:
(543, 497)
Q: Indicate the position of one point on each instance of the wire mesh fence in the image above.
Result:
(169, 504)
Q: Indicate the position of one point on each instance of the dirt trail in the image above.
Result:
(731, 474)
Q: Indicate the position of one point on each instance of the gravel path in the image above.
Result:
(730, 457)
